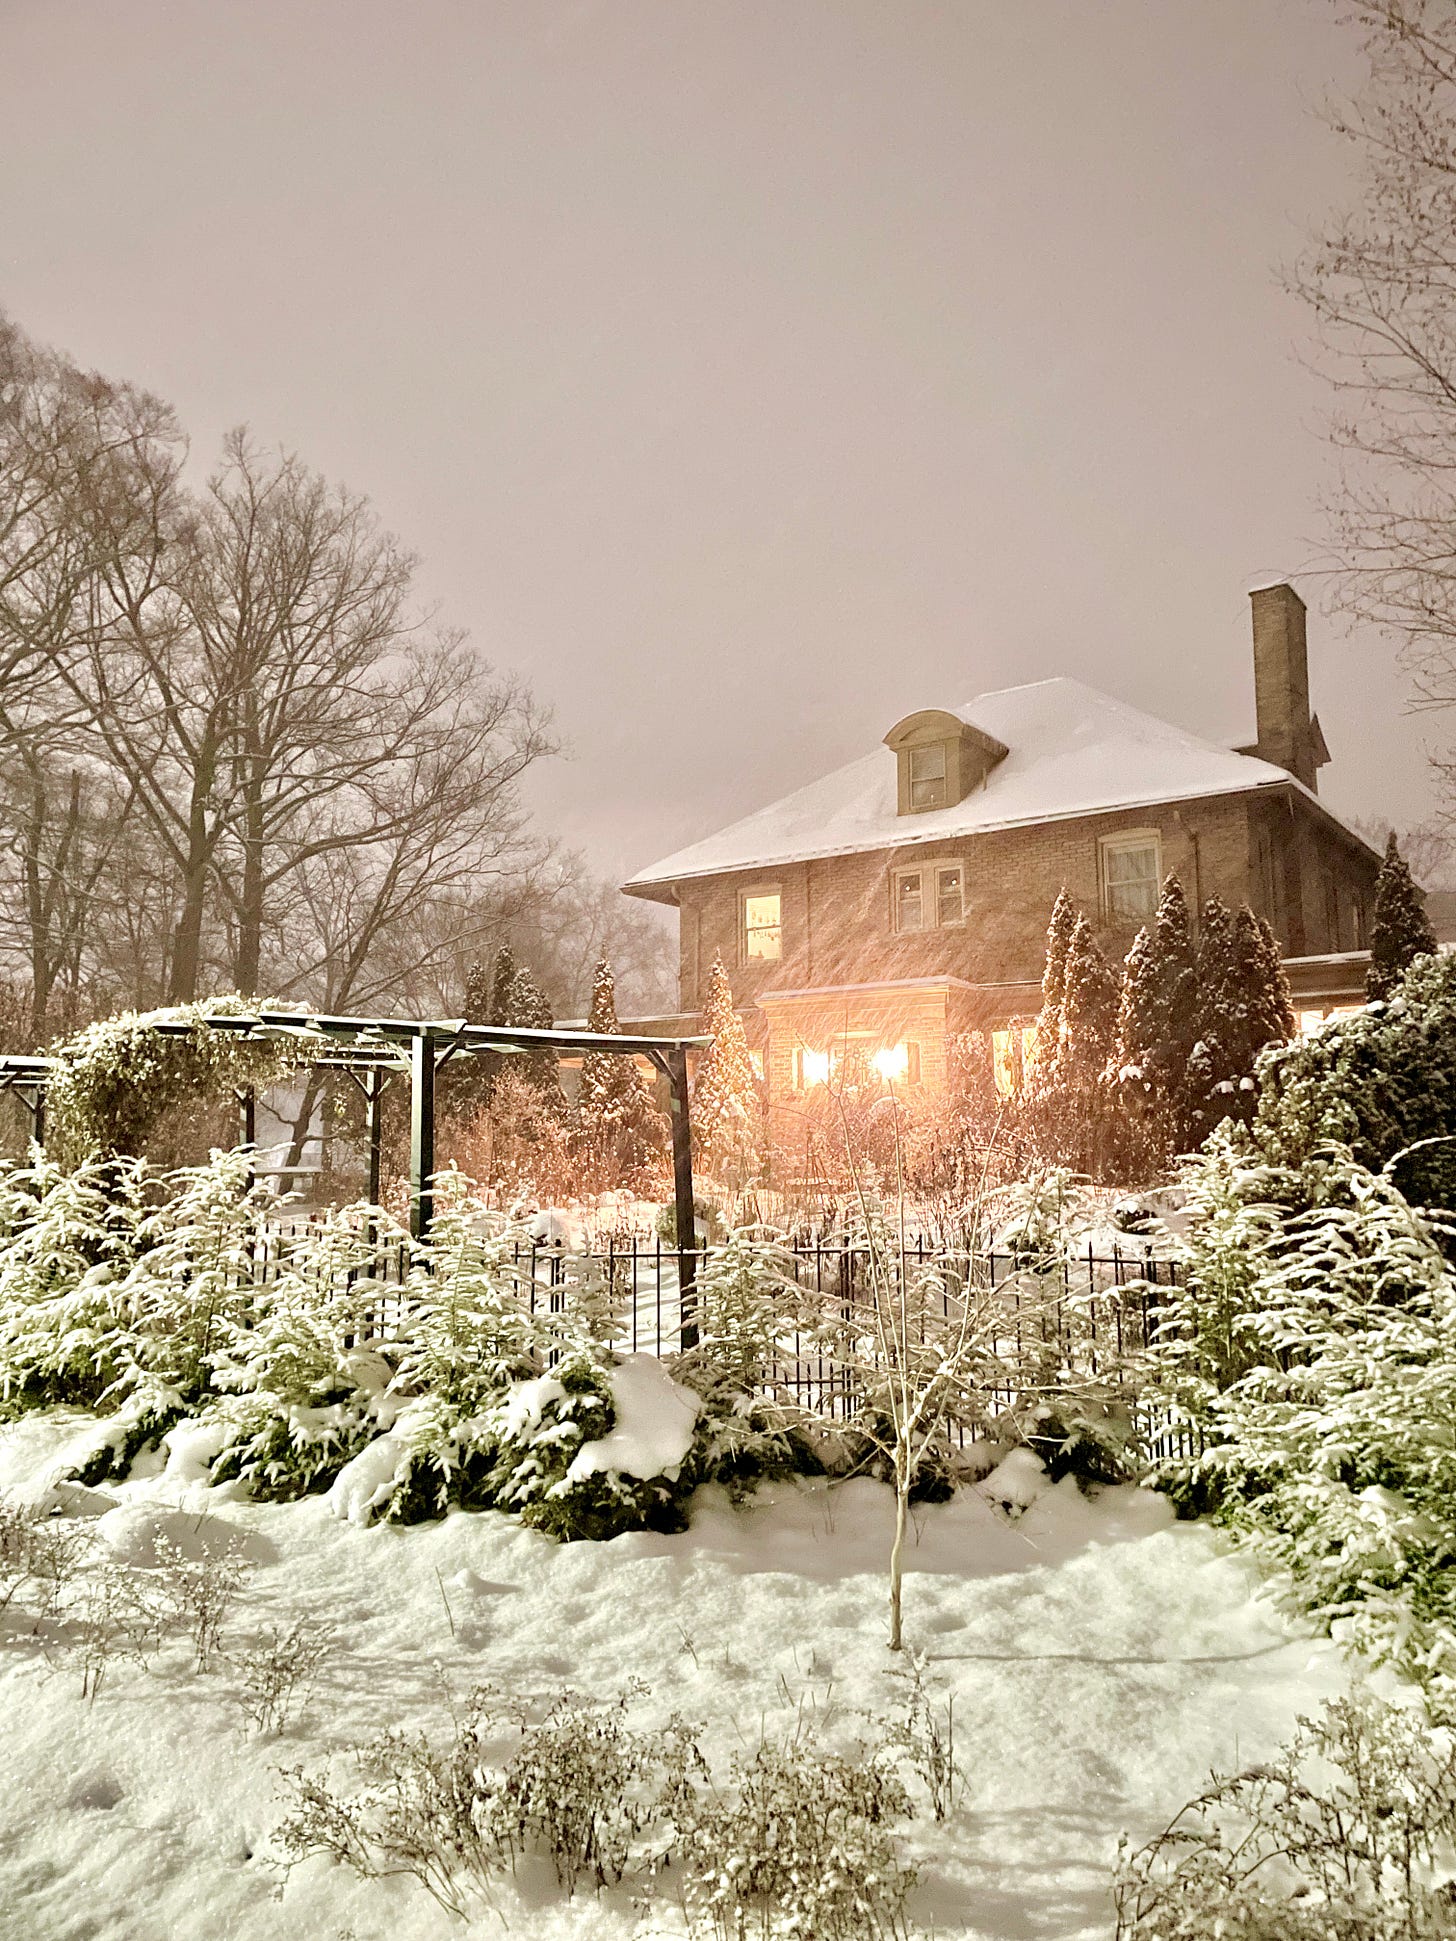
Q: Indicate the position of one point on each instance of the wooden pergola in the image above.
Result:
(373, 1051)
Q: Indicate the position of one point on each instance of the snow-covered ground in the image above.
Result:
(1102, 1658)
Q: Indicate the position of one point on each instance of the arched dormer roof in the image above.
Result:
(940, 759)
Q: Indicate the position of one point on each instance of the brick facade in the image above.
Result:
(837, 913)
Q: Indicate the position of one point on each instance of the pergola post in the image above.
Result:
(422, 1135)
(37, 1114)
(375, 1081)
(682, 1190)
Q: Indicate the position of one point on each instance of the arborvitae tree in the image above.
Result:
(1401, 931)
(1043, 1074)
(1222, 1055)
(526, 1004)
(1089, 1010)
(1271, 1009)
(1070, 1117)
(1157, 1028)
(619, 1136)
(502, 978)
(727, 1112)
(1157, 1024)
(464, 1084)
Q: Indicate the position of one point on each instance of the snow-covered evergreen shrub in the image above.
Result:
(1314, 1348)
(552, 1450)
(1348, 1835)
(749, 1304)
(67, 1318)
(1382, 1082)
(302, 1387)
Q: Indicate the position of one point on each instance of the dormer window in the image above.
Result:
(927, 776)
(940, 759)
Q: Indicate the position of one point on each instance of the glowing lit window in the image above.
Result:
(1028, 1047)
(950, 895)
(813, 1067)
(897, 1064)
(1003, 1053)
(927, 776)
(763, 929)
(909, 899)
(1131, 868)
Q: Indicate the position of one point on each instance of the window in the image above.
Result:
(763, 930)
(813, 1067)
(897, 1064)
(927, 776)
(1131, 867)
(913, 892)
(1265, 864)
(1012, 1053)
(909, 899)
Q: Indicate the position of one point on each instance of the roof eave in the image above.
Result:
(653, 887)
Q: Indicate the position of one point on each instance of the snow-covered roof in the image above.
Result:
(1073, 751)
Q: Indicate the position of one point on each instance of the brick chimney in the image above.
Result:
(1289, 736)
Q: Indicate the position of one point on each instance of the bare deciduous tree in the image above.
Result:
(1382, 285)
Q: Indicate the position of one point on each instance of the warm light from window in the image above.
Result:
(893, 1061)
(816, 1068)
(763, 934)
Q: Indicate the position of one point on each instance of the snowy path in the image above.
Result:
(1102, 1659)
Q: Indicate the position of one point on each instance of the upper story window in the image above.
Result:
(1132, 868)
(763, 926)
(929, 898)
(928, 776)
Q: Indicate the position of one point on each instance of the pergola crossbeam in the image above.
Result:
(372, 1050)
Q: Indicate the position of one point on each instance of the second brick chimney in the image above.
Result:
(1289, 736)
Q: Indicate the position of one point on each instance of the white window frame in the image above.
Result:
(1128, 840)
(928, 876)
(956, 922)
(745, 897)
(940, 783)
(898, 877)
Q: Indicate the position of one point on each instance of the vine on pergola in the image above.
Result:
(111, 1083)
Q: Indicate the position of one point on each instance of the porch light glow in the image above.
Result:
(893, 1061)
(816, 1068)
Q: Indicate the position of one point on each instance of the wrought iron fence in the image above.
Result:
(1088, 1313)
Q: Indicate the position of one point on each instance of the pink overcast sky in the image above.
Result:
(747, 372)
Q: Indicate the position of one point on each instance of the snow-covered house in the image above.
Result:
(905, 897)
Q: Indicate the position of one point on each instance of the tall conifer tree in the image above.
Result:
(1271, 1009)
(1222, 1053)
(727, 1112)
(1042, 1077)
(527, 1004)
(619, 1135)
(1401, 931)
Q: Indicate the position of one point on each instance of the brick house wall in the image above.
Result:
(1274, 851)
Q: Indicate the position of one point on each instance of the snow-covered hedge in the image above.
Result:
(1382, 1082)
(1314, 1348)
